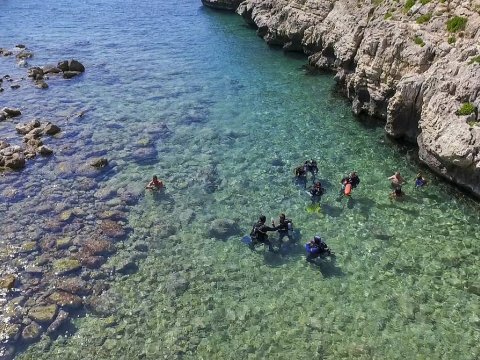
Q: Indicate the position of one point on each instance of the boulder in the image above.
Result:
(91, 261)
(99, 246)
(7, 282)
(51, 69)
(31, 332)
(24, 54)
(28, 247)
(74, 285)
(51, 129)
(112, 229)
(15, 161)
(126, 266)
(40, 84)
(63, 243)
(61, 318)
(36, 73)
(66, 266)
(43, 314)
(223, 228)
(115, 215)
(74, 65)
(9, 332)
(45, 151)
(65, 299)
(70, 74)
(11, 112)
(99, 163)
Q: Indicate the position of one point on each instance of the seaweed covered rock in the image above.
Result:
(223, 228)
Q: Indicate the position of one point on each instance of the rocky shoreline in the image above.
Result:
(62, 250)
(415, 64)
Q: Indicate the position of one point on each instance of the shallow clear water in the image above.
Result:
(405, 282)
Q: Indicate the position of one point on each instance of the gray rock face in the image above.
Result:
(391, 64)
(230, 5)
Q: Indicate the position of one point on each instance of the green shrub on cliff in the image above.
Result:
(409, 4)
(457, 23)
(424, 2)
(419, 41)
(424, 18)
(388, 15)
(451, 40)
(466, 109)
(474, 60)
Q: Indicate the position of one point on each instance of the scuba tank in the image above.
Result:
(290, 228)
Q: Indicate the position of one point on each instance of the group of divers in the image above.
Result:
(316, 247)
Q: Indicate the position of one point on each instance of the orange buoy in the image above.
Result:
(348, 189)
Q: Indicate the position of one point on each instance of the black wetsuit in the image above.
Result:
(312, 168)
(283, 229)
(354, 180)
(259, 234)
(301, 176)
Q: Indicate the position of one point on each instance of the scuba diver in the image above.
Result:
(317, 247)
(311, 167)
(420, 181)
(316, 191)
(259, 233)
(354, 179)
(285, 228)
(301, 176)
(349, 182)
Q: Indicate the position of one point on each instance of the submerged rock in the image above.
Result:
(61, 318)
(65, 299)
(223, 228)
(104, 304)
(112, 229)
(31, 332)
(99, 246)
(7, 282)
(74, 285)
(9, 332)
(11, 112)
(99, 163)
(43, 314)
(66, 266)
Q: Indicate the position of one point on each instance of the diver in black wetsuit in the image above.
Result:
(259, 233)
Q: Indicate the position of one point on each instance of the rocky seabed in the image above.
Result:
(63, 224)
(414, 64)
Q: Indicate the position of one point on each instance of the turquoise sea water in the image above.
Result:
(405, 281)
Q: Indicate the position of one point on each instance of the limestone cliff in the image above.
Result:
(415, 64)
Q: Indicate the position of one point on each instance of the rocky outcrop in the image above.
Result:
(417, 67)
(230, 5)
